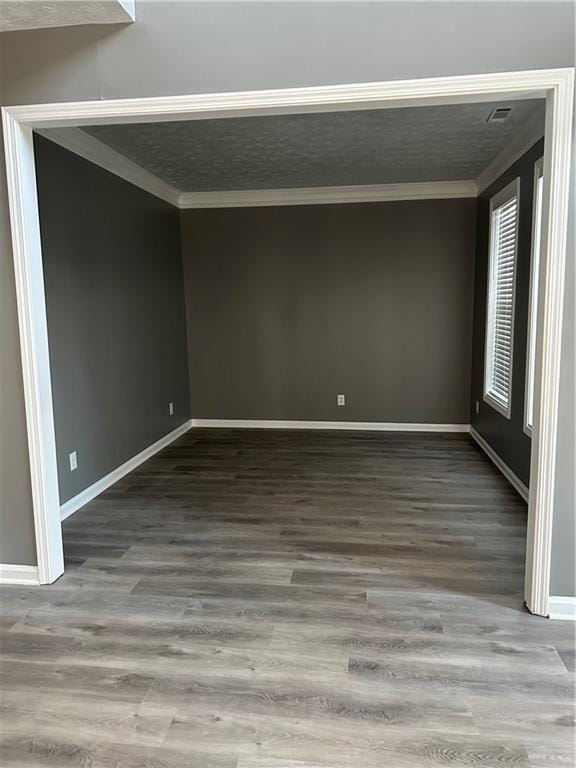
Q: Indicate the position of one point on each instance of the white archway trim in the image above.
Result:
(556, 85)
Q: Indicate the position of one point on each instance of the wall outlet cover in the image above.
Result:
(73, 461)
(171, 408)
(341, 400)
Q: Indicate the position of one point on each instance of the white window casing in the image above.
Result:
(533, 300)
(502, 260)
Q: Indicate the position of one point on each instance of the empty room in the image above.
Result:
(297, 408)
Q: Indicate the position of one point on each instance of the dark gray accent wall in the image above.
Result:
(290, 306)
(116, 319)
(506, 436)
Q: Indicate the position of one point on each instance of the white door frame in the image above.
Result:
(556, 85)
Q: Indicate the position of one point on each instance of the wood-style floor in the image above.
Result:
(291, 600)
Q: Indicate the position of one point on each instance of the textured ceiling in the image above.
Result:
(36, 14)
(447, 143)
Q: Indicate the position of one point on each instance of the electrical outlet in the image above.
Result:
(171, 409)
(477, 407)
(73, 461)
(341, 400)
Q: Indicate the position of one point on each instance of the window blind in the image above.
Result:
(500, 319)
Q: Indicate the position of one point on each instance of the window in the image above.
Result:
(533, 305)
(504, 209)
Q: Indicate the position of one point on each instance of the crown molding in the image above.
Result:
(513, 151)
(91, 149)
(86, 146)
(435, 190)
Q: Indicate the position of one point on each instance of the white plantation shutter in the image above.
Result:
(504, 209)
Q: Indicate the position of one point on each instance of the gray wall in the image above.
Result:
(116, 319)
(506, 436)
(194, 47)
(16, 521)
(290, 306)
(178, 47)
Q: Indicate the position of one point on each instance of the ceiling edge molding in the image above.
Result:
(435, 190)
(79, 142)
(18, 15)
(513, 151)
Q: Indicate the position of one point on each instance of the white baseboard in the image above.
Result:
(374, 426)
(101, 485)
(562, 608)
(511, 476)
(19, 574)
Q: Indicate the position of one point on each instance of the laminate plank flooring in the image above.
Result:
(269, 599)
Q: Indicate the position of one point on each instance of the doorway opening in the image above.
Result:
(555, 87)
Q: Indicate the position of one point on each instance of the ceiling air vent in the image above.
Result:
(499, 114)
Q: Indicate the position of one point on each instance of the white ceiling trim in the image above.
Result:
(86, 146)
(513, 151)
(90, 148)
(79, 142)
(434, 190)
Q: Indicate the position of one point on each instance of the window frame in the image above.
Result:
(535, 261)
(510, 191)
